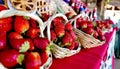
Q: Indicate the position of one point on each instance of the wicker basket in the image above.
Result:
(7, 13)
(86, 40)
(58, 51)
(46, 6)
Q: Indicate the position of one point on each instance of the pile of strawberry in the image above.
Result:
(21, 44)
(91, 28)
(62, 34)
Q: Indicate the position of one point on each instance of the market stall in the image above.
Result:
(52, 34)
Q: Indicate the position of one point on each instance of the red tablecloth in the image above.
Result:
(85, 59)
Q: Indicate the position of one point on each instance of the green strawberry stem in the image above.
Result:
(20, 58)
(49, 47)
(26, 17)
(25, 46)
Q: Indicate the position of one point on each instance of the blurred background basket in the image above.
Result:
(46, 6)
(86, 40)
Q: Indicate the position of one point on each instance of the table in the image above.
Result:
(87, 58)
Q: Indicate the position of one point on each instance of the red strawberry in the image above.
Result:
(67, 39)
(90, 31)
(71, 47)
(2, 39)
(83, 24)
(2, 7)
(56, 21)
(73, 35)
(69, 15)
(95, 34)
(6, 23)
(53, 35)
(14, 35)
(59, 31)
(68, 27)
(90, 24)
(99, 31)
(102, 38)
(45, 16)
(33, 23)
(21, 45)
(41, 43)
(32, 60)
(44, 56)
(99, 23)
(33, 32)
(9, 58)
(31, 44)
(21, 25)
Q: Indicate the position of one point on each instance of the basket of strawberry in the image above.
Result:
(22, 43)
(60, 32)
(87, 32)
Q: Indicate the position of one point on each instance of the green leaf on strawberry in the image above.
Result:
(20, 58)
(25, 46)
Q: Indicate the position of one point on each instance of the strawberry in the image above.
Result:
(41, 43)
(32, 60)
(95, 34)
(14, 35)
(102, 38)
(67, 39)
(90, 24)
(71, 47)
(70, 15)
(90, 31)
(99, 31)
(6, 23)
(33, 23)
(21, 25)
(59, 31)
(20, 45)
(83, 24)
(44, 56)
(45, 16)
(56, 21)
(68, 27)
(2, 39)
(73, 35)
(9, 57)
(53, 35)
(2, 7)
(33, 32)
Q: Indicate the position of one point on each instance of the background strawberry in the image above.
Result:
(15, 35)
(68, 27)
(32, 60)
(33, 32)
(67, 39)
(33, 23)
(3, 40)
(53, 35)
(6, 24)
(9, 58)
(41, 43)
(44, 56)
(2, 7)
(21, 25)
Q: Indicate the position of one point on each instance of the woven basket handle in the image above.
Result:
(50, 21)
(84, 16)
(8, 13)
